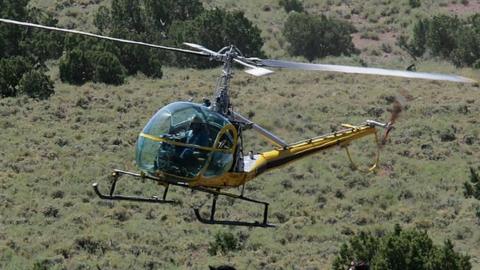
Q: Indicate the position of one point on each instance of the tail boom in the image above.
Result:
(276, 158)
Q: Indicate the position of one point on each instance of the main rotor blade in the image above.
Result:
(361, 70)
(265, 133)
(200, 48)
(254, 70)
(104, 37)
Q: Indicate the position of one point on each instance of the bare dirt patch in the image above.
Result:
(461, 9)
(364, 43)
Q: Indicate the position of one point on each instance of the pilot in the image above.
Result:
(196, 135)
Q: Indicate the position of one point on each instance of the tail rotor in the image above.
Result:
(398, 106)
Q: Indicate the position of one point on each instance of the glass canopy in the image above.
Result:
(186, 140)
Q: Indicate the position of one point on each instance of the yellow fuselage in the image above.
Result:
(276, 158)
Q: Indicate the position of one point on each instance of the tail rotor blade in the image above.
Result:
(398, 106)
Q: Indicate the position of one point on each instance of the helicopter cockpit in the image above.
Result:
(185, 140)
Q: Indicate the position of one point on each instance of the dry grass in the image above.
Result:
(54, 150)
(51, 152)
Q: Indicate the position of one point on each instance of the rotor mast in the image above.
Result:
(222, 103)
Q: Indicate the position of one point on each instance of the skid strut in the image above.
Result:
(111, 196)
(216, 193)
(212, 219)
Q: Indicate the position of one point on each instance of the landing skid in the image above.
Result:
(111, 196)
(212, 220)
(166, 183)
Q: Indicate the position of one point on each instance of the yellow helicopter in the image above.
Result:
(200, 146)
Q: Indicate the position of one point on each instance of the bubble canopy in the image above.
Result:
(184, 140)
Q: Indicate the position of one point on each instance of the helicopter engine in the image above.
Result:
(185, 141)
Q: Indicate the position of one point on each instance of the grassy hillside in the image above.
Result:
(379, 22)
(53, 150)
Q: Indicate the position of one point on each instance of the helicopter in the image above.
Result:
(199, 146)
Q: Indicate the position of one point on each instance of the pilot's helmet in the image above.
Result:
(196, 119)
(196, 123)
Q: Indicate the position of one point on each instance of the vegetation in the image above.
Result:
(178, 22)
(402, 250)
(224, 242)
(448, 37)
(75, 67)
(472, 188)
(36, 84)
(11, 72)
(215, 29)
(291, 5)
(46, 188)
(81, 65)
(42, 45)
(52, 150)
(10, 38)
(87, 59)
(139, 21)
(414, 3)
(318, 36)
(108, 69)
(21, 68)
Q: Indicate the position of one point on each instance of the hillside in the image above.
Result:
(53, 150)
(379, 22)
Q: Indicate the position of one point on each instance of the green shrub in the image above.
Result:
(215, 29)
(146, 21)
(145, 16)
(441, 35)
(402, 250)
(477, 213)
(224, 243)
(184, 21)
(3, 44)
(128, 15)
(75, 67)
(42, 45)
(318, 36)
(414, 3)
(22, 48)
(108, 62)
(36, 84)
(291, 5)
(34, 43)
(12, 35)
(106, 68)
(137, 58)
(48, 263)
(89, 244)
(476, 65)
(163, 13)
(467, 51)
(448, 37)
(103, 19)
(11, 72)
(91, 64)
(419, 41)
(142, 16)
(154, 67)
(472, 187)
